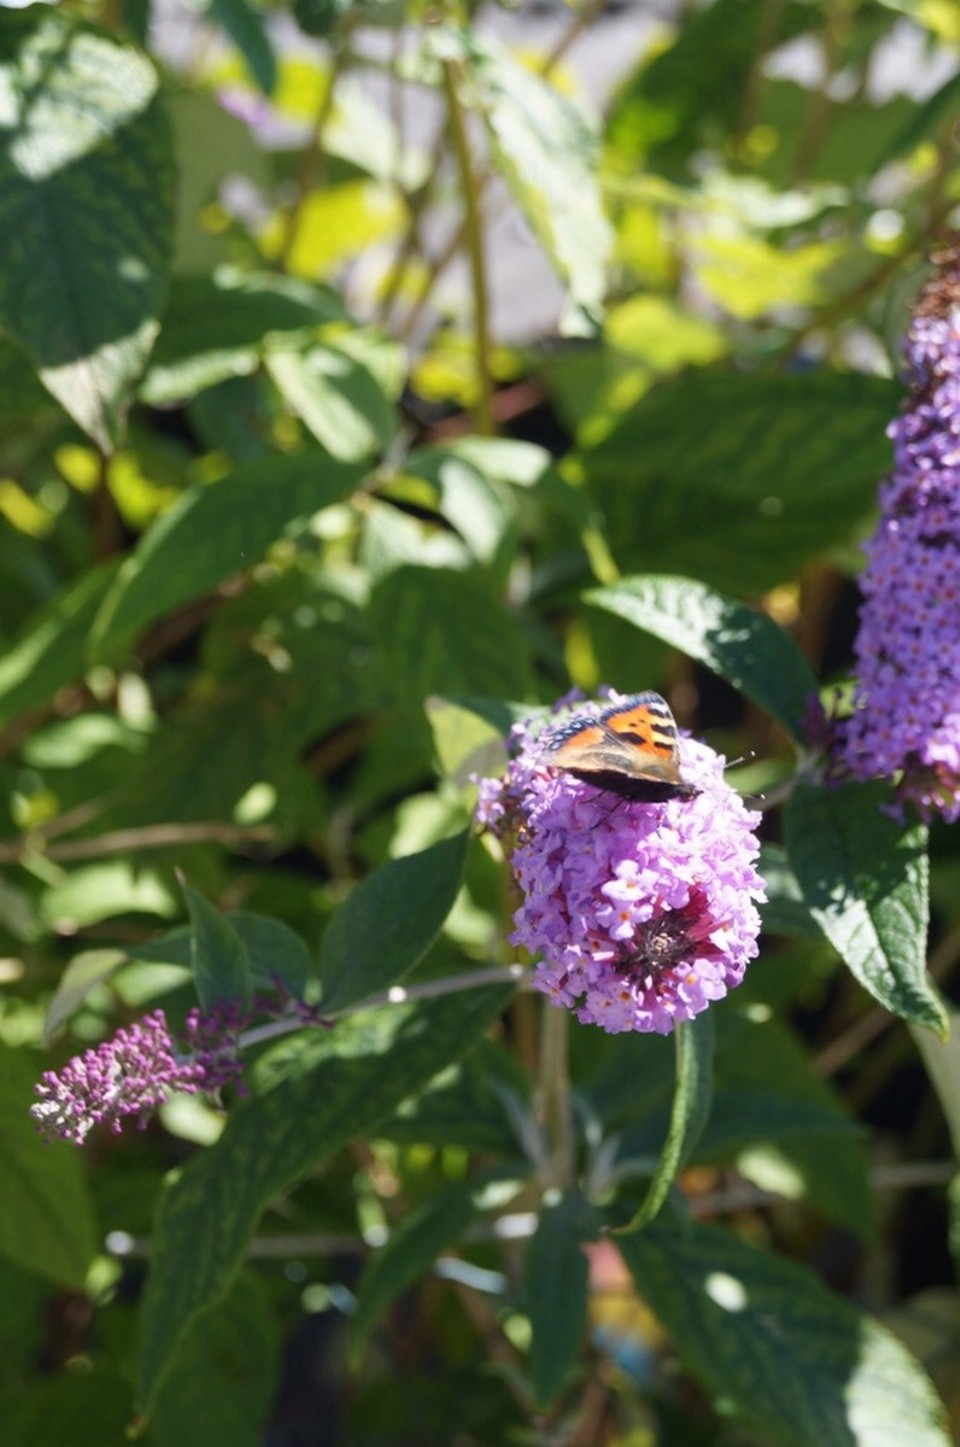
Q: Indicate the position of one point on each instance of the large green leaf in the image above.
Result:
(741, 644)
(783, 1127)
(447, 632)
(692, 1098)
(52, 651)
(86, 210)
(740, 479)
(337, 398)
(467, 1106)
(556, 1289)
(327, 1088)
(546, 150)
(46, 1217)
(223, 1386)
(209, 534)
(767, 1339)
(216, 327)
(389, 922)
(864, 877)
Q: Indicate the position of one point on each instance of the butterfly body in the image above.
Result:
(630, 749)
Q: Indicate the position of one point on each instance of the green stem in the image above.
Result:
(451, 248)
(554, 1093)
(310, 175)
(483, 347)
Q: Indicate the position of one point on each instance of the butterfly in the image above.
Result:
(629, 748)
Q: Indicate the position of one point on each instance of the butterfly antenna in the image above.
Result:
(741, 759)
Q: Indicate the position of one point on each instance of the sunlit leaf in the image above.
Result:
(86, 178)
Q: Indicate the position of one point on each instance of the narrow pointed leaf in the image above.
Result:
(218, 956)
(327, 1088)
(864, 877)
(767, 1339)
(692, 1098)
(389, 922)
(740, 644)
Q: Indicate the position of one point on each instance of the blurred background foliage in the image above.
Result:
(345, 345)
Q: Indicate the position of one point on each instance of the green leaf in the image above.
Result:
(741, 644)
(94, 892)
(466, 1105)
(86, 218)
(556, 1290)
(924, 120)
(546, 149)
(216, 327)
(52, 650)
(414, 1245)
(864, 878)
(692, 1099)
(479, 508)
(223, 1386)
(767, 1339)
(328, 1087)
(389, 922)
(447, 632)
(784, 911)
(783, 1127)
(776, 469)
(244, 23)
(274, 950)
(466, 743)
(46, 1218)
(691, 92)
(218, 956)
(209, 534)
(84, 972)
(337, 398)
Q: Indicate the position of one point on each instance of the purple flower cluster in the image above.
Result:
(640, 914)
(138, 1069)
(906, 720)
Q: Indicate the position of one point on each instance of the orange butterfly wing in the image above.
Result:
(630, 749)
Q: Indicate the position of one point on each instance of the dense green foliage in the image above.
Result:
(304, 497)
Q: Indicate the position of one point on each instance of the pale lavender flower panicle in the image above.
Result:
(906, 721)
(640, 914)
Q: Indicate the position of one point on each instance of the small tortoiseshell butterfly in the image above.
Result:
(629, 748)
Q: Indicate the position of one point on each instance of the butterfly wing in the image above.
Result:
(630, 749)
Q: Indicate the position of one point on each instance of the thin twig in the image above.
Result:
(148, 836)
(455, 241)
